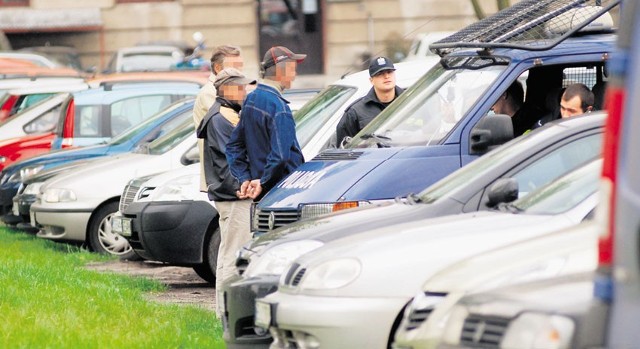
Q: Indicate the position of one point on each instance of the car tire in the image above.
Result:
(100, 237)
(207, 270)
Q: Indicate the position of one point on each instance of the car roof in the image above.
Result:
(405, 71)
(100, 95)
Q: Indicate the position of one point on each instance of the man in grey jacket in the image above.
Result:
(215, 129)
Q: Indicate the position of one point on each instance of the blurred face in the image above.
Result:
(286, 73)
(234, 93)
(571, 107)
(384, 81)
(230, 62)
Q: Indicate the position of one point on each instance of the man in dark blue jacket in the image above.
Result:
(263, 148)
(215, 129)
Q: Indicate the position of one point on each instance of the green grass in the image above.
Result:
(49, 300)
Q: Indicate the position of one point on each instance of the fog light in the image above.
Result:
(116, 225)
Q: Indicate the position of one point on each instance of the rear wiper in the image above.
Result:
(382, 141)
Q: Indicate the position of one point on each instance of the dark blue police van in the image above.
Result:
(445, 120)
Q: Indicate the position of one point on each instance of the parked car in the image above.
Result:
(77, 206)
(527, 162)
(64, 55)
(41, 116)
(145, 216)
(145, 58)
(37, 59)
(14, 176)
(420, 45)
(19, 99)
(350, 292)
(434, 127)
(565, 252)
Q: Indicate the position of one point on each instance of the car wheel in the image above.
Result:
(207, 270)
(102, 239)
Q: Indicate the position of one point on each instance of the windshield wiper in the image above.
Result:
(382, 141)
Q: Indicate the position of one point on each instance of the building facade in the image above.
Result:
(338, 35)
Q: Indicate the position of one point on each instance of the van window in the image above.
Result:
(132, 111)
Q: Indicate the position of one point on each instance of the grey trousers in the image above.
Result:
(235, 231)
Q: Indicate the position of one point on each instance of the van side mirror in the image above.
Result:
(490, 132)
(502, 191)
(191, 156)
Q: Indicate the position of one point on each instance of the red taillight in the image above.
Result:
(69, 120)
(615, 103)
(7, 106)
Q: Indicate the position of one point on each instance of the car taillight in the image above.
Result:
(7, 106)
(615, 102)
(69, 122)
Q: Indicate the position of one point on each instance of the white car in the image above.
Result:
(77, 206)
(316, 121)
(350, 292)
(559, 253)
(145, 58)
(420, 45)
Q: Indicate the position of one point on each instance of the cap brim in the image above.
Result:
(382, 69)
(298, 57)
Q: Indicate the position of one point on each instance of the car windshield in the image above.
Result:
(172, 138)
(315, 113)
(135, 130)
(564, 193)
(427, 111)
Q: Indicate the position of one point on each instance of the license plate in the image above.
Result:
(125, 227)
(263, 314)
(32, 217)
(14, 209)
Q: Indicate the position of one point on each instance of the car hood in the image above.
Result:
(162, 178)
(396, 260)
(344, 223)
(107, 177)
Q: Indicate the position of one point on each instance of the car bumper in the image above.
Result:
(333, 322)
(239, 295)
(170, 231)
(7, 192)
(67, 225)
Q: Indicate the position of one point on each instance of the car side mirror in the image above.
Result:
(191, 156)
(502, 191)
(490, 132)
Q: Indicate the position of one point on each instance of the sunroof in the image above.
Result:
(532, 25)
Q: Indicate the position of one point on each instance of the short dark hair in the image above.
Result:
(222, 51)
(581, 90)
(516, 93)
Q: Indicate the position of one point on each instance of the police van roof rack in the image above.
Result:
(532, 25)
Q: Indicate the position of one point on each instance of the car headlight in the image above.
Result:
(33, 188)
(11, 178)
(274, 261)
(29, 171)
(181, 188)
(331, 274)
(536, 330)
(58, 195)
(315, 210)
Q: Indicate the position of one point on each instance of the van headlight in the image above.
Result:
(275, 260)
(58, 195)
(331, 274)
(536, 330)
(319, 209)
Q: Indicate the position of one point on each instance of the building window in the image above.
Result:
(14, 2)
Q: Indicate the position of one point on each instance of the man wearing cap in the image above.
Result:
(264, 148)
(223, 56)
(362, 111)
(215, 130)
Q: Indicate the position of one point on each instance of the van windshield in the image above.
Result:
(315, 113)
(427, 111)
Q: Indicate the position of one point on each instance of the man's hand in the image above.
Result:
(255, 188)
(242, 193)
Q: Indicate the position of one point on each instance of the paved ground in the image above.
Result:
(184, 286)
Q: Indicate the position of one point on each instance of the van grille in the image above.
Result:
(269, 220)
(483, 332)
(334, 155)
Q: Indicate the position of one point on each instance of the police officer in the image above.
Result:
(361, 112)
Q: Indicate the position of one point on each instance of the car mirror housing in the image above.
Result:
(491, 131)
(502, 191)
